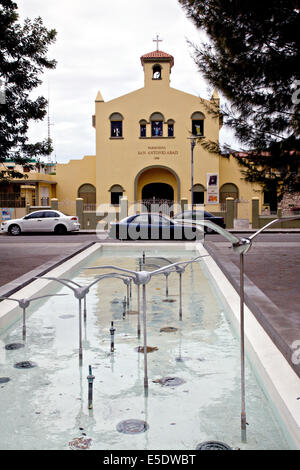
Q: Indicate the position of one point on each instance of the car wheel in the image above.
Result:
(14, 230)
(208, 230)
(60, 230)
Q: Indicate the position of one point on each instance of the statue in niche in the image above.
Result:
(156, 72)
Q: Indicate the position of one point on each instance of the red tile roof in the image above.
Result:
(157, 55)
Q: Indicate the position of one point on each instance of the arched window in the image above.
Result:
(116, 192)
(88, 193)
(228, 190)
(170, 128)
(143, 124)
(156, 120)
(198, 194)
(156, 72)
(198, 124)
(116, 125)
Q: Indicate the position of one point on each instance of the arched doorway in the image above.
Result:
(156, 174)
(157, 185)
(229, 190)
(161, 191)
(88, 193)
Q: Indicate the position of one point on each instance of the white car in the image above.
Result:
(42, 221)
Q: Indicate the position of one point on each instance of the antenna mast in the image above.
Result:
(49, 124)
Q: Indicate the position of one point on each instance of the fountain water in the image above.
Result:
(24, 303)
(179, 269)
(80, 292)
(166, 274)
(168, 379)
(142, 278)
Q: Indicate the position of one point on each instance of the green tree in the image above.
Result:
(23, 58)
(251, 56)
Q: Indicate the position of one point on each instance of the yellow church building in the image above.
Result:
(144, 149)
(145, 153)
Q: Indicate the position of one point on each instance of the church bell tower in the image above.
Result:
(157, 67)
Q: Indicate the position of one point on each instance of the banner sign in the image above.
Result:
(6, 214)
(212, 188)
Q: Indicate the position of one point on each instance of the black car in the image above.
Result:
(200, 215)
(152, 226)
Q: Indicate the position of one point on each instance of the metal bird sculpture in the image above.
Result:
(24, 303)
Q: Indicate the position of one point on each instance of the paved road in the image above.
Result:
(18, 255)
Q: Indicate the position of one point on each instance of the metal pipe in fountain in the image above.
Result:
(84, 298)
(24, 303)
(112, 334)
(241, 246)
(179, 269)
(90, 379)
(124, 307)
(166, 274)
(142, 278)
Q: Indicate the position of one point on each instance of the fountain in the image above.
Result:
(143, 278)
(179, 269)
(80, 293)
(166, 274)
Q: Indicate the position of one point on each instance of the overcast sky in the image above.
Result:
(98, 47)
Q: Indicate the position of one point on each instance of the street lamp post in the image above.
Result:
(193, 143)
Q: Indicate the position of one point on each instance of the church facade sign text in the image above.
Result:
(157, 151)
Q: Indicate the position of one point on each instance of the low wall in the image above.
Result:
(259, 221)
(263, 220)
(91, 221)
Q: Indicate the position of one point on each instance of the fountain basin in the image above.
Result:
(50, 400)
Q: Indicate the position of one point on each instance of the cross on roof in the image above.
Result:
(157, 40)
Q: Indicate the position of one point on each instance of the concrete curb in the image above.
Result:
(275, 230)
